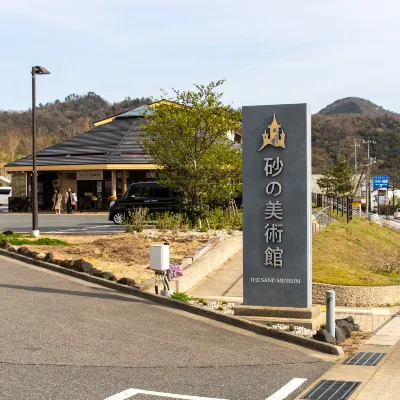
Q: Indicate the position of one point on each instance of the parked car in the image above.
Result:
(151, 195)
(397, 214)
(5, 193)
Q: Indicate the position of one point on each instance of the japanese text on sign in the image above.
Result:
(273, 213)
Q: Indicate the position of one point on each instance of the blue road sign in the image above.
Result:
(381, 181)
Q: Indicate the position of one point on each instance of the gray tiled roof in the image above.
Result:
(112, 143)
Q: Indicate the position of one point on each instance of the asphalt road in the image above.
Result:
(65, 339)
(51, 223)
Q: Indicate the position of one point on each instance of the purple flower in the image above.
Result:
(175, 271)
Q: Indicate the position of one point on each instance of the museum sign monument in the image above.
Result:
(277, 206)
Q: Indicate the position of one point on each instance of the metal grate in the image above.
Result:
(367, 359)
(332, 390)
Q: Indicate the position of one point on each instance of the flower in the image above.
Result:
(175, 271)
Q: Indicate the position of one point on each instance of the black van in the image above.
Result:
(149, 195)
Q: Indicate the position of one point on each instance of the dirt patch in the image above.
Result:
(353, 343)
(125, 255)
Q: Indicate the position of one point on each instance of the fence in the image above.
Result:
(321, 219)
(342, 205)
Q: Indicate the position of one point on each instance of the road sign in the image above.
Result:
(381, 181)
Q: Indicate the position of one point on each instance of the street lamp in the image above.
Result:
(35, 71)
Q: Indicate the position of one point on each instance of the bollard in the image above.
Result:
(330, 311)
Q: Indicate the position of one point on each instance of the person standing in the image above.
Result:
(57, 198)
(68, 201)
(74, 200)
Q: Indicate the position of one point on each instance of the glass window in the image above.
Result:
(161, 192)
(139, 192)
(5, 191)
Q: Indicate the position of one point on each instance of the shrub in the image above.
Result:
(223, 218)
(220, 308)
(137, 218)
(181, 296)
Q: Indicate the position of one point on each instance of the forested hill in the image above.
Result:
(356, 105)
(56, 121)
(335, 129)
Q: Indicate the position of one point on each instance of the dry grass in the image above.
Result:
(353, 343)
(351, 254)
(126, 254)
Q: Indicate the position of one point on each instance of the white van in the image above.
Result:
(5, 193)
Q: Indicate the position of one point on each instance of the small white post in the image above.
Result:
(330, 311)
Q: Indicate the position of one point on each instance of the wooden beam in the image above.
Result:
(114, 183)
(85, 167)
(124, 181)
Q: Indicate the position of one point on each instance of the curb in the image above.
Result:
(166, 301)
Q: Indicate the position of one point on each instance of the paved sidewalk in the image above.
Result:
(227, 284)
(367, 322)
(227, 281)
(379, 382)
(385, 383)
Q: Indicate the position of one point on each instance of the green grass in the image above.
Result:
(17, 239)
(352, 254)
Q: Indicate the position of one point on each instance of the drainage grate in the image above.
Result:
(332, 390)
(368, 359)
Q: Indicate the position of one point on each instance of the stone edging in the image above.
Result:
(166, 301)
(357, 296)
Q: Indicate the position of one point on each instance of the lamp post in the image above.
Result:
(35, 71)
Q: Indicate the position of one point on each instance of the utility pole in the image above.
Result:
(368, 143)
(355, 155)
(394, 205)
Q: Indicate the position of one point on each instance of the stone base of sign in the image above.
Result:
(310, 318)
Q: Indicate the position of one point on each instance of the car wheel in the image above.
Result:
(118, 218)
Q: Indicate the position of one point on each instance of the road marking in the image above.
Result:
(290, 387)
(126, 394)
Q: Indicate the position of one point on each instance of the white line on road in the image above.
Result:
(124, 395)
(132, 392)
(290, 387)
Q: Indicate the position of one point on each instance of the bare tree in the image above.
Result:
(12, 141)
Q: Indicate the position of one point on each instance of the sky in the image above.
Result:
(269, 52)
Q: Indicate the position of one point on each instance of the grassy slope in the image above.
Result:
(347, 254)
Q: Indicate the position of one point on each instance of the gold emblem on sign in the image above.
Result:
(275, 137)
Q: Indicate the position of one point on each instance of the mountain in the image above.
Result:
(355, 105)
(335, 129)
